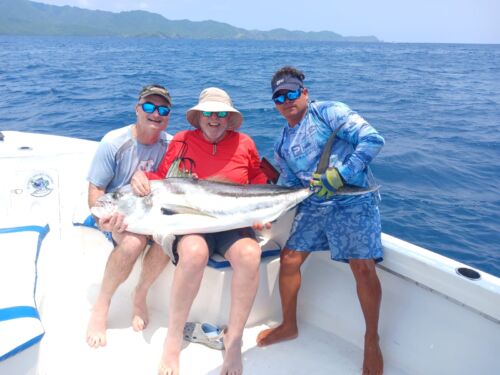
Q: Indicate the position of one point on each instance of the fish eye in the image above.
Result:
(116, 195)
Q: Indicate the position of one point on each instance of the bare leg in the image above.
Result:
(290, 279)
(369, 294)
(118, 267)
(244, 256)
(193, 257)
(153, 264)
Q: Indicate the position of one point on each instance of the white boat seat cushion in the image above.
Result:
(20, 325)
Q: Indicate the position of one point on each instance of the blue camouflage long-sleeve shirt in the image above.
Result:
(298, 151)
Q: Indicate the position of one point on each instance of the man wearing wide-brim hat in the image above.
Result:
(213, 150)
(214, 99)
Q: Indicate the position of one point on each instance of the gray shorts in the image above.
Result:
(219, 242)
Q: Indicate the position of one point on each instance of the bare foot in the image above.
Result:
(140, 317)
(274, 335)
(373, 362)
(232, 359)
(96, 330)
(169, 364)
(167, 370)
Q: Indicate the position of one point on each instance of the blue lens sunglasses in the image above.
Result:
(221, 114)
(150, 108)
(290, 95)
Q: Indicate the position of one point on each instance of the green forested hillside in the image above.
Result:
(23, 17)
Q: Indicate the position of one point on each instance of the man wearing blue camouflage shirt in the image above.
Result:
(349, 226)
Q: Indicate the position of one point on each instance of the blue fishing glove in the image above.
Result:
(328, 182)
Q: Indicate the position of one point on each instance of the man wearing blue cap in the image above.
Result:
(349, 226)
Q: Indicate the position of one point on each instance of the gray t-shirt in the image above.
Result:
(119, 156)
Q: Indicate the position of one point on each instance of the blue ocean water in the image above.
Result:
(437, 105)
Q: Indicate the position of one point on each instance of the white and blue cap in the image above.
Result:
(287, 82)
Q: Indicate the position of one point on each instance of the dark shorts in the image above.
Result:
(220, 242)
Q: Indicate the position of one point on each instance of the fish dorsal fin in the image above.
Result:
(179, 168)
(327, 149)
(175, 209)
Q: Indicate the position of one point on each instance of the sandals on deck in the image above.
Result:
(206, 334)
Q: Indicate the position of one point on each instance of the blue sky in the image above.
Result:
(433, 21)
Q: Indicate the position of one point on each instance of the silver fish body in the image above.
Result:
(186, 205)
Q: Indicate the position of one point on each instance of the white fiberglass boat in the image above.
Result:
(438, 316)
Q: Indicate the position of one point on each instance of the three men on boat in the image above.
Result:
(349, 226)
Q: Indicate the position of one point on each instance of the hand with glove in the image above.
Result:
(328, 182)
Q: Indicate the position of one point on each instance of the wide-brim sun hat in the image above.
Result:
(213, 99)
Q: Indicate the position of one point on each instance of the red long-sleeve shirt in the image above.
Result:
(234, 159)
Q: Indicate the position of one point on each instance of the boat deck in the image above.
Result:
(314, 352)
(67, 295)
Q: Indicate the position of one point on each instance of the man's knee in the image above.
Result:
(245, 254)
(131, 244)
(193, 253)
(363, 269)
(291, 261)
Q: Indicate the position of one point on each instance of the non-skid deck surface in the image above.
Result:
(64, 351)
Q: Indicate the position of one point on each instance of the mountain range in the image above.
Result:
(24, 17)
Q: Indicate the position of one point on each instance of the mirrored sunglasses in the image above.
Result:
(150, 108)
(221, 114)
(290, 95)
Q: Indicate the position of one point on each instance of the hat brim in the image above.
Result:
(235, 119)
(157, 94)
(287, 86)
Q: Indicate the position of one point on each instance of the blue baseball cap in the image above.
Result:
(287, 82)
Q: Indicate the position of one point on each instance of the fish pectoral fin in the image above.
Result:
(176, 170)
(175, 209)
